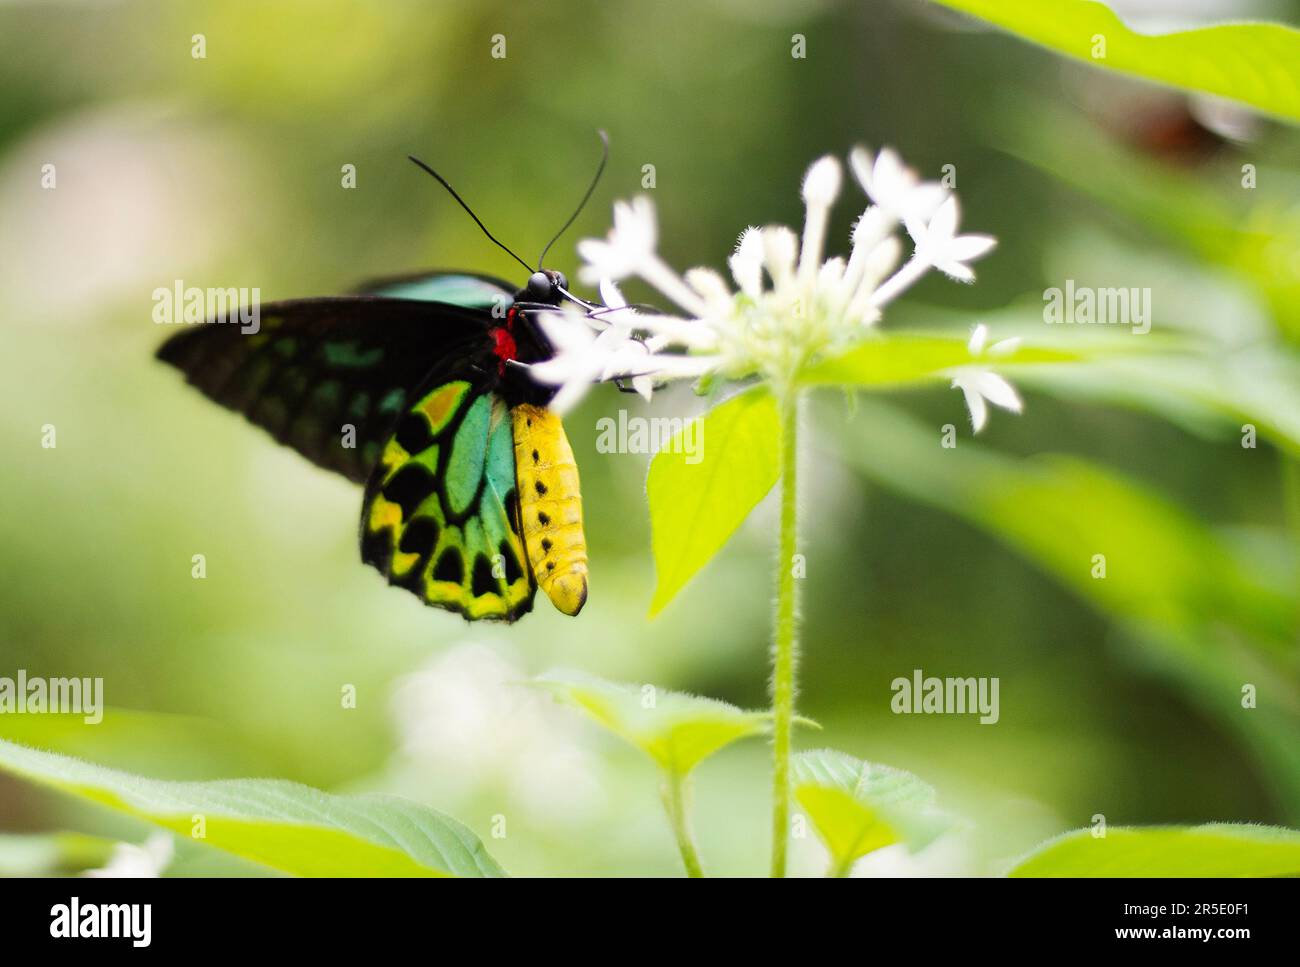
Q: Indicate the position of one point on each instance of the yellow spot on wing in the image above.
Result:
(384, 514)
(441, 404)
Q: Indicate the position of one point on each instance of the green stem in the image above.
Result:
(785, 649)
(842, 867)
(674, 792)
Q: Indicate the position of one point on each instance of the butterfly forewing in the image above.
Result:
(467, 289)
(328, 377)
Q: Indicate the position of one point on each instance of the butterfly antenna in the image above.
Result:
(604, 157)
(477, 221)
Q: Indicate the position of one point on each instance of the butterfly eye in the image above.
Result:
(561, 280)
(539, 285)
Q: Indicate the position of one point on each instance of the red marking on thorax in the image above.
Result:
(503, 341)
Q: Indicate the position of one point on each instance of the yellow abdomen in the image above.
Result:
(550, 507)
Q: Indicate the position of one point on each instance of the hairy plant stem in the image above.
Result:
(674, 793)
(785, 647)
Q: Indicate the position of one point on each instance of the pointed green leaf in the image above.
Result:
(1213, 850)
(677, 730)
(698, 500)
(903, 358)
(1255, 63)
(858, 807)
(283, 825)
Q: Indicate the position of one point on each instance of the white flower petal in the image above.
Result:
(890, 176)
(831, 275)
(821, 185)
(978, 336)
(568, 396)
(997, 391)
(967, 248)
(882, 260)
(780, 248)
(610, 295)
(925, 199)
(872, 228)
(630, 243)
(955, 270)
(943, 226)
(601, 261)
(565, 332)
(747, 263)
(860, 163)
(710, 285)
(635, 225)
(979, 412)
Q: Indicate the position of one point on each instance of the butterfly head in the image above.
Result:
(545, 286)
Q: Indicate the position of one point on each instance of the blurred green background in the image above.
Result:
(225, 171)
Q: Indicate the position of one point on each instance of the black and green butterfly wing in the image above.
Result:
(440, 515)
(469, 290)
(330, 377)
(395, 388)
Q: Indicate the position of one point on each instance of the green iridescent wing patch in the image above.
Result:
(466, 289)
(440, 515)
(328, 377)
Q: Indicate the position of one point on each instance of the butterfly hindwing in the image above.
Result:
(440, 514)
(328, 377)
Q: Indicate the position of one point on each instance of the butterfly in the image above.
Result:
(417, 387)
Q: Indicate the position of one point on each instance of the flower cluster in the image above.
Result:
(789, 307)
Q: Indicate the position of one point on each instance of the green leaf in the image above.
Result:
(1211, 850)
(1207, 217)
(1255, 385)
(696, 506)
(49, 854)
(903, 358)
(1058, 510)
(858, 807)
(1255, 63)
(677, 730)
(283, 825)
(1189, 595)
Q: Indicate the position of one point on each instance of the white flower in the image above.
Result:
(979, 384)
(947, 251)
(896, 188)
(149, 859)
(630, 241)
(791, 305)
(584, 355)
